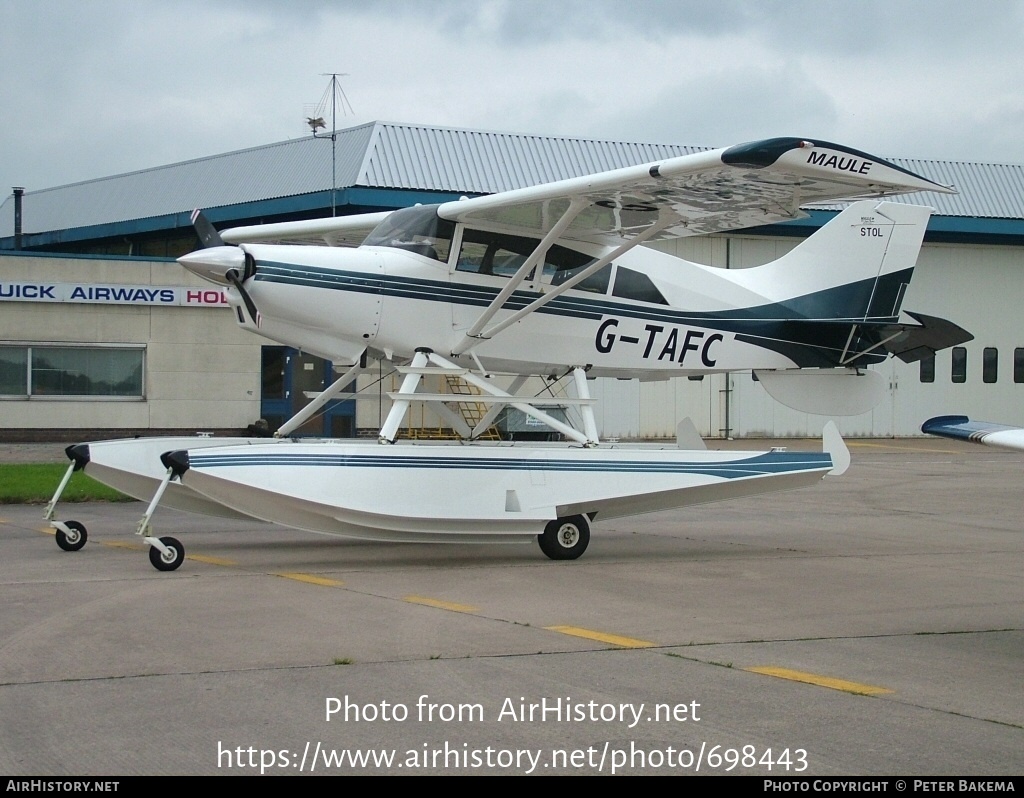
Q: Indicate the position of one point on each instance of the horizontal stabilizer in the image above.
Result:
(913, 342)
(984, 432)
(825, 392)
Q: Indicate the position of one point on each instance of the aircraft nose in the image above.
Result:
(214, 263)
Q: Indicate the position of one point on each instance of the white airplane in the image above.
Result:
(550, 280)
(987, 433)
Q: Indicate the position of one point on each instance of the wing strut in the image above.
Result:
(476, 334)
(576, 204)
(324, 397)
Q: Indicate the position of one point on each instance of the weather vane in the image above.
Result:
(316, 122)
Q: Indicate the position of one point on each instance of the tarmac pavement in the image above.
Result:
(871, 625)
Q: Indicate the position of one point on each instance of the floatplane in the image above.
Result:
(548, 281)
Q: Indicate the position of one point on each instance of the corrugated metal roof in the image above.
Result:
(986, 190)
(404, 156)
(283, 169)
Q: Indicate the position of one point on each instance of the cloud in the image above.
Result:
(92, 89)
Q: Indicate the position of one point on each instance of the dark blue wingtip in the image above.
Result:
(940, 422)
(759, 154)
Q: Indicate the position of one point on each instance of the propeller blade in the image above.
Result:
(208, 235)
(238, 283)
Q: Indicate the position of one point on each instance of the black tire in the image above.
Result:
(163, 562)
(75, 540)
(565, 538)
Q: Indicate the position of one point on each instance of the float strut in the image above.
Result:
(401, 406)
(143, 528)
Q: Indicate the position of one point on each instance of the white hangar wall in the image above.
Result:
(200, 371)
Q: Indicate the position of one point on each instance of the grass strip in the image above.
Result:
(34, 483)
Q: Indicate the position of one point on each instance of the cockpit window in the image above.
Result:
(501, 255)
(597, 283)
(631, 284)
(418, 229)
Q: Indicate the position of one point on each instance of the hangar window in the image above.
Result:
(959, 364)
(1018, 364)
(114, 372)
(13, 371)
(989, 364)
(928, 369)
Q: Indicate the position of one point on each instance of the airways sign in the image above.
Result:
(94, 294)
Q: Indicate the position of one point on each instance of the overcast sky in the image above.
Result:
(91, 89)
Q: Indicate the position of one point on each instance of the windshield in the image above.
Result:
(417, 229)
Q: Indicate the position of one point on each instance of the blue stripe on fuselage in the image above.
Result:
(579, 307)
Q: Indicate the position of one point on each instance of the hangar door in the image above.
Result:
(288, 378)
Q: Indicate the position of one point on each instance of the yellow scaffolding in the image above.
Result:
(471, 412)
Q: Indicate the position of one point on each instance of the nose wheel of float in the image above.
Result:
(71, 535)
(166, 553)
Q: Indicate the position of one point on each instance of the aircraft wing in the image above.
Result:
(758, 183)
(338, 231)
(985, 432)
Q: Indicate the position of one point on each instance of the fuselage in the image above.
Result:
(336, 302)
(420, 282)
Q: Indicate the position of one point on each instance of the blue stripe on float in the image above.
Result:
(775, 463)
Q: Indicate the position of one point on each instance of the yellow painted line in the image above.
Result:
(49, 530)
(312, 580)
(441, 605)
(124, 544)
(821, 681)
(601, 637)
(902, 448)
(210, 560)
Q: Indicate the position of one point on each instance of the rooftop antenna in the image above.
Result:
(316, 122)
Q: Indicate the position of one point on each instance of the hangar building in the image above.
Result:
(102, 333)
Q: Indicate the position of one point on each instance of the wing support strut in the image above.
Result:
(477, 333)
(322, 399)
(576, 205)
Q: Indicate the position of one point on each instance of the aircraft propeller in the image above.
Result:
(238, 281)
(220, 262)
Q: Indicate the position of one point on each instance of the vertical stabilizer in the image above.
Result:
(857, 267)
